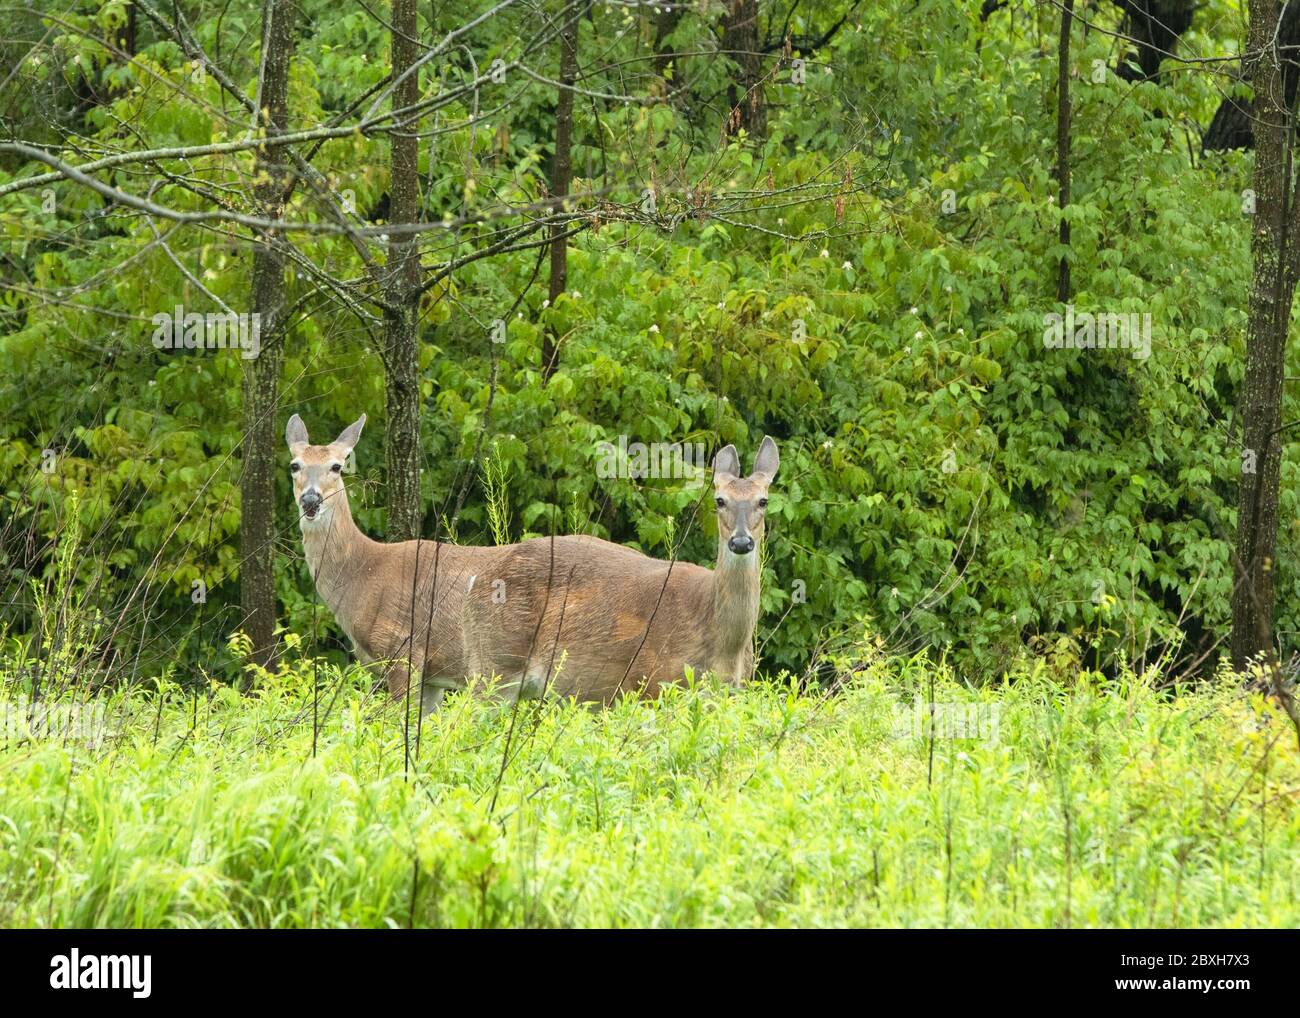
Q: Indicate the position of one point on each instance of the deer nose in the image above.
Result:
(310, 502)
(741, 545)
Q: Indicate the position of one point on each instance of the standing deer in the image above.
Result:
(586, 618)
(401, 604)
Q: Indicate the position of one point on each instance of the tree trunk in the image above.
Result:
(1272, 288)
(741, 43)
(402, 293)
(1231, 127)
(262, 373)
(665, 24)
(1063, 146)
(1155, 27)
(126, 33)
(561, 180)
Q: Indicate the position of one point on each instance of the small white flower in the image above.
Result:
(961, 332)
(893, 591)
(828, 444)
(847, 265)
(546, 303)
(915, 311)
(577, 295)
(654, 328)
(825, 253)
(721, 304)
(948, 288)
(918, 334)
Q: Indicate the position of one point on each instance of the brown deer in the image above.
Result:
(401, 604)
(581, 617)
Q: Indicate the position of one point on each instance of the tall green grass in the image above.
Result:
(1102, 804)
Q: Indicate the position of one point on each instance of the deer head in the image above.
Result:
(318, 471)
(742, 501)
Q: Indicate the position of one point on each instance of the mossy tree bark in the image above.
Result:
(1272, 290)
(402, 289)
(261, 384)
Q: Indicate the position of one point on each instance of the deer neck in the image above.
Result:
(735, 599)
(332, 551)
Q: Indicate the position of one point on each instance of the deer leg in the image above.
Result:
(531, 686)
(430, 698)
(397, 674)
(529, 680)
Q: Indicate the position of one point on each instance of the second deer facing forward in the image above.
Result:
(586, 618)
(572, 616)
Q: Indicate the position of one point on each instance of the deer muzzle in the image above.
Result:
(741, 544)
(311, 503)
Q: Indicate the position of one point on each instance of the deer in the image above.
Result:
(400, 604)
(585, 618)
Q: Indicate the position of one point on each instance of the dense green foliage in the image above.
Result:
(1106, 804)
(945, 478)
(1041, 536)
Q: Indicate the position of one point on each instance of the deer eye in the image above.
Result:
(294, 467)
(336, 468)
(762, 503)
(721, 502)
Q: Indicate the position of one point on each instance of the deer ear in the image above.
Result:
(351, 435)
(296, 432)
(768, 459)
(727, 462)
